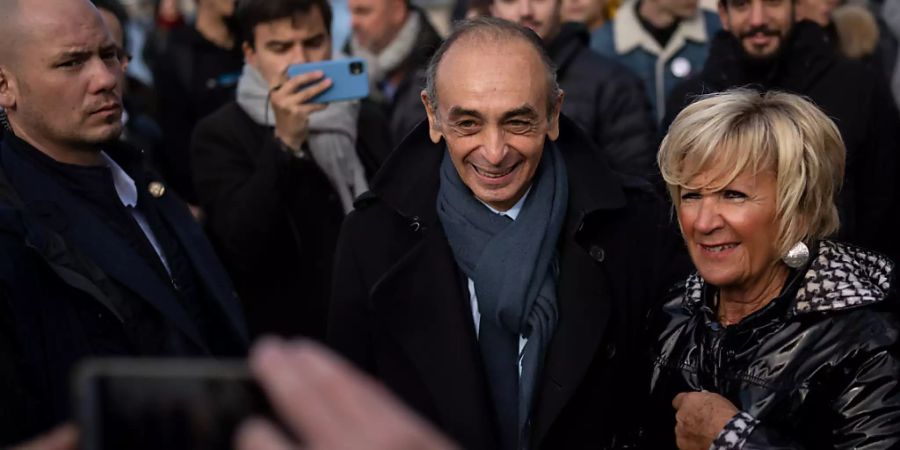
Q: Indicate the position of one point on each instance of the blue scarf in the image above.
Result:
(513, 267)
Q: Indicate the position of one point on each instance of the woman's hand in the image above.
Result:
(700, 417)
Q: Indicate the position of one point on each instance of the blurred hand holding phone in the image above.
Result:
(172, 404)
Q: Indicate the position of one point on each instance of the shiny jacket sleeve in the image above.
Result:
(865, 414)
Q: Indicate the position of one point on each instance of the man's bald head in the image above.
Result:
(9, 28)
(490, 31)
(59, 75)
(19, 18)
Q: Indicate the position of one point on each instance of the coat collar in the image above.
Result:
(628, 33)
(837, 277)
(408, 181)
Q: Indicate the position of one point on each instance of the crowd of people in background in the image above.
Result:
(627, 69)
(303, 219)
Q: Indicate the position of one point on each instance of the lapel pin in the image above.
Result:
(156, 189)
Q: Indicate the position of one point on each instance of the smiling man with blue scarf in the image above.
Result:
(498, 282)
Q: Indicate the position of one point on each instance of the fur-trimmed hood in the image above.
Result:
(857, 30)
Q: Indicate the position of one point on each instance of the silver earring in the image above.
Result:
(797, 256)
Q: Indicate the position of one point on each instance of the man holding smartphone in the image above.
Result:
(276, 172)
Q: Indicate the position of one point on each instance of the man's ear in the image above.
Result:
(553, 126)
(723, 16)
(249, 53)
(8, 89)
(434, 131)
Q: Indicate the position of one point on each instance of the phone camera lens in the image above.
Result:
(356, 68)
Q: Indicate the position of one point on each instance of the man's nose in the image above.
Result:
(757, 13)
(494, 146)
(526, 9)
(299, 54)
(105, 76)
(709, 218)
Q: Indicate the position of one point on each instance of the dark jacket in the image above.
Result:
(606, 100)
(193, 77)
(858, 100)
(401, 312)
(405, 110)
(274, 219)
(72, 286)
(817, 367)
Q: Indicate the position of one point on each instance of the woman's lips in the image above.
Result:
(718, 250)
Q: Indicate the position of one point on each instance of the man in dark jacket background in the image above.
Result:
(96, 257)
(397, 40)
(496, 244)
(762, 47)
(276, 173)
(602, 95)
(196, 73)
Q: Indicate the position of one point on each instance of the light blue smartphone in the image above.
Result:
(349, 78)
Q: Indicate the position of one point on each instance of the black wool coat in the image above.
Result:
(400, 309)
(73, 286)
(273, 218)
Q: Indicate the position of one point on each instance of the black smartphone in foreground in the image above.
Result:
(172, 404)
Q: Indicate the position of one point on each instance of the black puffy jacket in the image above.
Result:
(607, 100)
(817, 368)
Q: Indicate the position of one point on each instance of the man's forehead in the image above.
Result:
(368, 4)
(64, 27)
(492, 68)
(302, 24)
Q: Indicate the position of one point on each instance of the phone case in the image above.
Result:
(349, 78)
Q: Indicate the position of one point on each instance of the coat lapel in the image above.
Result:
(422, 304)
(194, 243)
(584, 310)
(61, 211)
(583, 291)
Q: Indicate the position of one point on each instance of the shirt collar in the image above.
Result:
(513, 212)
(125, 187)
(630, 34)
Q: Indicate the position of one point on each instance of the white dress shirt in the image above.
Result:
(127, 191)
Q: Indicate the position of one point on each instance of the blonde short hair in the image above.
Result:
(743, 130)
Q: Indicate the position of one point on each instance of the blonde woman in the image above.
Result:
(782, 338)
